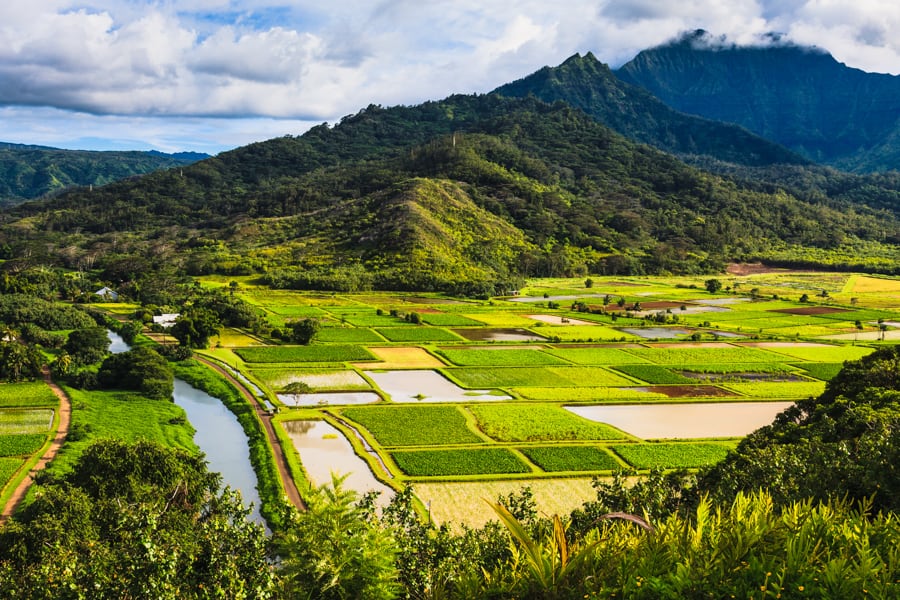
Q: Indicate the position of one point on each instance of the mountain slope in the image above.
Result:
(586, 83)
(28, 172)
(799, 97)
(458, 195)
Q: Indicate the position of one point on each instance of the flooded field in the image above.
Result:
(675, 421)
(653, 333)
(498, 335)
(426, 386)
(324, 450)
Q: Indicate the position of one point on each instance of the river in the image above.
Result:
(218, 435)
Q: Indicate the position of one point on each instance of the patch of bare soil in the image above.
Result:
(689, 391)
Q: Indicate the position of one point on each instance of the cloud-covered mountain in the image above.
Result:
(798, 96)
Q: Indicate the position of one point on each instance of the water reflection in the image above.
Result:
(222, 439)
(324, 450)
(695, 420)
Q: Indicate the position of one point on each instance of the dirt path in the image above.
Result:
(290, 487)
(65, 417)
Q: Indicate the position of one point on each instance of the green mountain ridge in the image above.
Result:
(797, 96)
(28, 171)
(462, 195)
(588, 84)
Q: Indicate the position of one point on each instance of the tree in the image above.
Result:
(135, 520)
(195, 327)
(304, 331)
(87, 346)
(337, 549)
(19, 361)
(712, 285)
(588, 283)
(141, 369)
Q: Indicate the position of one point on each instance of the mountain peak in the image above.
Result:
(799, 96)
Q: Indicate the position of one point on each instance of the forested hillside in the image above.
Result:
(460, 195)
(796, 96)
(586, 83)
(28, 172)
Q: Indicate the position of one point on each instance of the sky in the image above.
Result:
(211, 75)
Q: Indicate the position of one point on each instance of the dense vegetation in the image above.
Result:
(586, 83)
(464, 195)
(28, 172)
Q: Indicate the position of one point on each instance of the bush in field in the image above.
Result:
(304, 331)
(141, 369)
(19, 362)
(87, 346)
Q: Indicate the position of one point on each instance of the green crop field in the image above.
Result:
(597, 356)
(299, 354)
(21, 444)
(374, 320)
(348, 335)
(503, 377)
(507, 377)
(450, 320)
(505, 357)
(571, 458)
(33, 393)
(414, 425)
(695, 355)
(418, 334)
(318, 379)
(654, 374)
(17, 420)
(772, 390)
(538, 422)
(453, 462)
(8, 468)
(685, 455)
(822, 371)
(825, 353)
(585, 333)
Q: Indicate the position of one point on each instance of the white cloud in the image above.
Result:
(310, 61)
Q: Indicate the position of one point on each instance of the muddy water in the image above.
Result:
(426, 386)
(652, 333)
(324, 450)
(498, 335)
(222, 439)
(696, 420)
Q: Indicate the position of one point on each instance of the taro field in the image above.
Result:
(27, 414)
(437, 392)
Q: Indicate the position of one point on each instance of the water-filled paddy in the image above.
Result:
(671, 421)
(324, 450)
(652, 333)
(498, 335)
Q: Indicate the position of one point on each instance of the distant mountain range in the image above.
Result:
(28, 172)
(797, 96)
